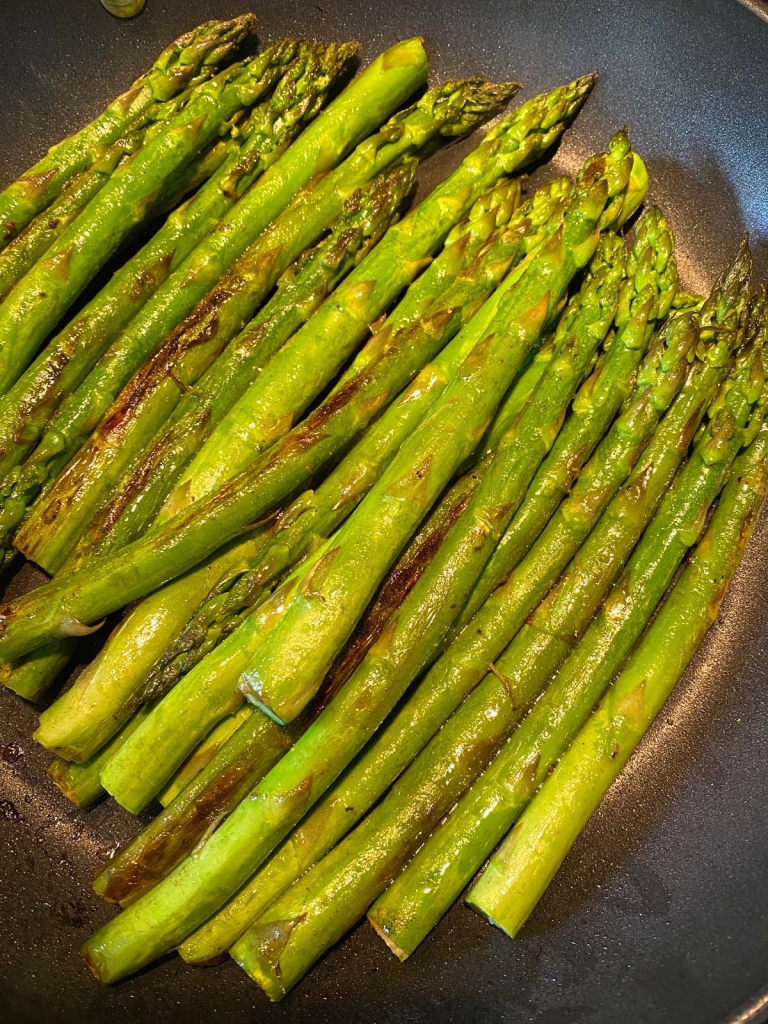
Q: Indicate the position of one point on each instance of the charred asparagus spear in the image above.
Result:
(514, 140)
(176, 67)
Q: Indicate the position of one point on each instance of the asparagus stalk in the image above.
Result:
(312, 515)
(645, 301)
(81, 783)
(204, 753)
(331, 597)
(411, 726)
(318, 909)
(418, 899)
(61, 368)
(519, 873)
(167, 913)
(203, 47)
(207, 693)
(38, 302)
(153, 392)
(517, 138)
(365, 217)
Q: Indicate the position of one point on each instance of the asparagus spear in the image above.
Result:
(81, 783)
(520, 871)
(197, 887)
(38, 302)
(411, 726)
(474, 269)
(153, 392)
(417, 900)
(175, 68)
(366, 216)
(210, 700)
(287, 669)
(311, 515)
(61, 368)
(515, 139)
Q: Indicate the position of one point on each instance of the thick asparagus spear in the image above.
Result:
(196, 888)
(520, 871)
(366, 216)
(62, 367)
(417, 900)
(288, 668)
(517, 138)
(312, 515)
(152, 394)
(412, 725)
(300, 925)
(195, 705)
(40, 299)
(81, 783)
(206, 45)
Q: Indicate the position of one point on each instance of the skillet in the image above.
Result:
(660, 914)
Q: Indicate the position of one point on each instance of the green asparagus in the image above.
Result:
(420, 715)
(169, 911)
(177, 65)
(524, 865)
(311, 515)
(41, 298)
(152, 394)
(336, 587)
(163, 553)
(63, 366)
(417, 899)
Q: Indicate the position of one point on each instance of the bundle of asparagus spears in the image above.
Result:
(387, 494)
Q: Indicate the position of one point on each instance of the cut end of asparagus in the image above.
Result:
(401, 954)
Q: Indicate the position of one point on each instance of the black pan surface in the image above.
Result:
(660, 914)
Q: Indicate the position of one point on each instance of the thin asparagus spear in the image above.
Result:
(411, 726)
(520, 871)
(60, 370)
(514, 140)
(312, 515)
(204, 753)
(645, 301)
(152, 394)
(40, 299)
(207, 694)
(167, 913)
(329, 600)
(417, 900)
(177, 65)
